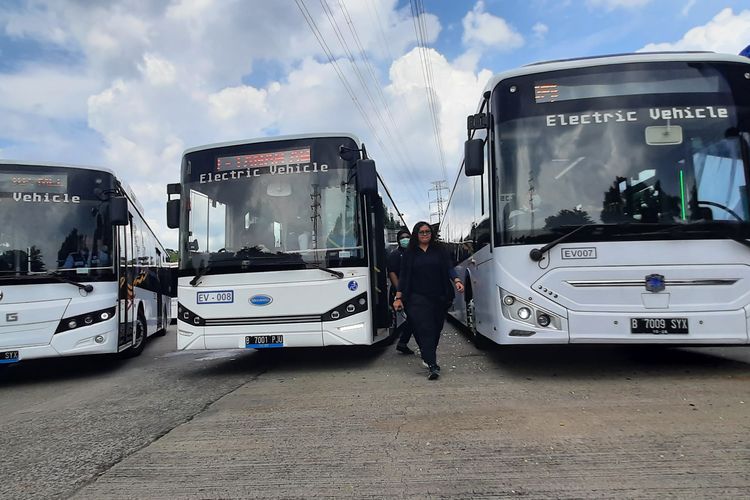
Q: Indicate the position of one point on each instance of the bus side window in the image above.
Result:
(481, 228)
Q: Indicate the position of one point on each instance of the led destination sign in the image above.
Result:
(257, 160)
(33, 183)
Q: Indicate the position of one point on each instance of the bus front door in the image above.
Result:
(126, 293)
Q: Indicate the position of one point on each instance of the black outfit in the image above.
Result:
(394, 266)
(426, 287)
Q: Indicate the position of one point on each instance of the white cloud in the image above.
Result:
(614, 4)
(157, 71)
(726, 32)
(687, 7)
(46, 92)
(154, 79)
(484, 29)
(540, 30)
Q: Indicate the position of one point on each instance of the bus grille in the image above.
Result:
(267, 320)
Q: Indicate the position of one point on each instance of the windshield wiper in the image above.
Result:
(202, 270)
(54, 275)
(59, 277)
(715, 227)
(338, 274)
(536, 254)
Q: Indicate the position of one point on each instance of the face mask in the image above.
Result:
(404, 242)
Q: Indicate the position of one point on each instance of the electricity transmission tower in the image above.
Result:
(439, 202)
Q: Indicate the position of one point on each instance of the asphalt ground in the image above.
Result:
(551, 422)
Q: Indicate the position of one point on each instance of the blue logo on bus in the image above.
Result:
(655, 283)
(353, 285)
(260, 300)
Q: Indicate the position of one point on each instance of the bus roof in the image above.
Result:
(314, 135)
(587, 62)
(53, 164)
(125, 186)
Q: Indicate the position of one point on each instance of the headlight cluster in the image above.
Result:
(353, 306)
(520, 310)
(188, 316)
(88, 319)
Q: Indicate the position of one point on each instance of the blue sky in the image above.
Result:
(130, 84)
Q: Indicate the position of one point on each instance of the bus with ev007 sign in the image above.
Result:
(81, 272)
(283, 243)
(605, 200)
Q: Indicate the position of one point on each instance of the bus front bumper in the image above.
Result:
(99, 338)
(353, 330)
(719, 327)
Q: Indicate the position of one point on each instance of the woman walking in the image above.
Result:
(425, 289)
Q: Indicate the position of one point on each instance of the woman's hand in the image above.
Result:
(459, 286)
(398, 305)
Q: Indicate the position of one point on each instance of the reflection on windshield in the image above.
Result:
(38, 236)
(308, 217)
(650, 169)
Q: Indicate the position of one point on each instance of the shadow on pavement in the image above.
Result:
(607, 360)
(71, 367)
(58, 369)
(302, 359)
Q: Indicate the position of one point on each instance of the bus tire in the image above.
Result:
(139, 342)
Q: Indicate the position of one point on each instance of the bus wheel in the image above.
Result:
(480, 341)
(139, 342)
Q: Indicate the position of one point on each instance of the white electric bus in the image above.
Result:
(606, 200)
(282, 244)
(80, 270)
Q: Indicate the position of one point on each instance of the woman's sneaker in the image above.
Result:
(427, 366)
(434, 372)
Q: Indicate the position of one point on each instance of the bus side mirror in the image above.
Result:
(118, 211)
(173, 214)
(173, 206)
(474, 157)
(367, 177)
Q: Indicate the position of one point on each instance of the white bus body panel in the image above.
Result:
(596, 297)
(294, 294)
(39, 309)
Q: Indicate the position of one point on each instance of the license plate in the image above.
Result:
(659, 326)
(9, 357)
(264, 341)
(216, 297)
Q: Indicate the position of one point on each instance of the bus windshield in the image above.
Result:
(275, 205)
(627, 146)
(51, 220)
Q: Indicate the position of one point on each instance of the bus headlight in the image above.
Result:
(543, 320)
(88, 319)
(353, 306)
(517, 309)
(188, 316)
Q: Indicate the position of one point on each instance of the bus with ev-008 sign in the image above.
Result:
(81, 272)
(606, 200)
(283, 243)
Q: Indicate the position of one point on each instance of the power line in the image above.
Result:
(334, 63)
(398, 141)
(420, 31)
(349, 55)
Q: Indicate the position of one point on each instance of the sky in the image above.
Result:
(131, 84)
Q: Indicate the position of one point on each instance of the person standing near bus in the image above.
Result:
(394, 267)
(426, 289)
